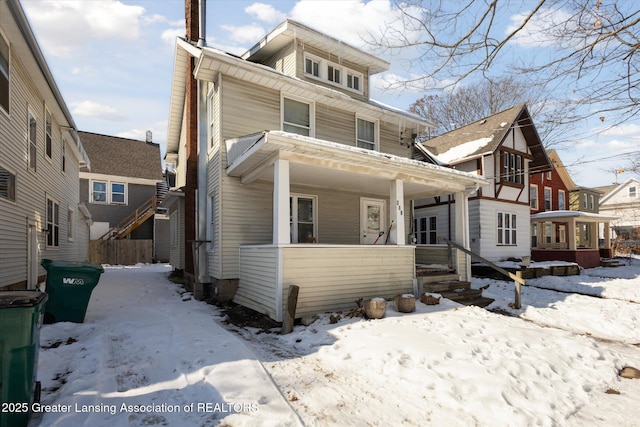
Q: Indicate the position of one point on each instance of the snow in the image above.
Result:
(146, 342)
(462, 151)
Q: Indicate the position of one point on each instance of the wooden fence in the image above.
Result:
(121, 252)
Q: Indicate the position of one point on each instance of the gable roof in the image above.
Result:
(618, 188)
(485, 136)
(290, 30)
(562, 170)
(112, 155)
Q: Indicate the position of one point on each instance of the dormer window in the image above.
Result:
(353, 82)
(312, 67)
(333, 74)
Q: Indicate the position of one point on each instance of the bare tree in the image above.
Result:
(583, 51)
(466, 104)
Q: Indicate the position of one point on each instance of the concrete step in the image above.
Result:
(445, 286)
(478, 302)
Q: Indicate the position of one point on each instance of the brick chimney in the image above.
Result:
(191, 99)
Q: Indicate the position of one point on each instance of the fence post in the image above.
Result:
(517, 303)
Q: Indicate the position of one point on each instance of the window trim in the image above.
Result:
(376, 132)
(512, 168)
(592, 202)
(533, 191)
(323, 73)
(506, 230)
(92, 192)
(8, 75)
(550, 190)
(312, 114)
(632, 192)
(125, 195)
(53, 235)
(32, 142)
(562, 207)
(48, 134)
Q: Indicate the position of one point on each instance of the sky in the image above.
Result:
(146, 343)
(113, 63)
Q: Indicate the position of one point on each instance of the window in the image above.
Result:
(548, 174)
(366, 134)
(426, 230)
(4, 74)
(296, 117)
(211, 115)
(211, 224)
(432, 230)
(47, 133)
(33, 145)
(547, 232)
(534, 235)
(507, 229)
(592, 202)
(71, 222)
(533, 196)
(561, 200)
(64, 156)
(333, 74)
(99, 192)
(561, 233)
(632, 192)
(53, 223)
(512, 168)
(118, 191)
(7, 184)
(584, 200)
(547, 199)
(312, 67)
(302, 211)
(353, 81)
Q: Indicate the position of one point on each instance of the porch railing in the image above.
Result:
(517, 278)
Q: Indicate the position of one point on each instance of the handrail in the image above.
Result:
(132, 218)
(517, 278)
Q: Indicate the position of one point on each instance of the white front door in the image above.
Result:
(373, 221)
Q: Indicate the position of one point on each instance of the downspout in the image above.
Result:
(202, 193)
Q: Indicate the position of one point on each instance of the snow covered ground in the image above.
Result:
(553, 362)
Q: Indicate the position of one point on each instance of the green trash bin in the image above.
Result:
(69, 286)
(21, 315)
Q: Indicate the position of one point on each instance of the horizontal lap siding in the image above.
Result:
(333, 278)
(335, 125)
(433, 254)
(257, 284)
(390, 140)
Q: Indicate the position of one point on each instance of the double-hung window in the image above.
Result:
(353, 82)
(7, 184)
(426, 230)
(533, 197)
(118, 193)
(296, 117)
(33, 142)
(48, 140)
(312, 67)
(547, 199)
(366, 134)
(632, 192)
(333, 74)
(507, 230)
(4, 74)
(592, 202)
(302, 218)
(99, 192)
(561, 200)
(53, 223)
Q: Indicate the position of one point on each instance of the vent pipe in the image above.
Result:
(149, 137)
(202, 42)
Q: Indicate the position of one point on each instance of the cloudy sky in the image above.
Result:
(113, 61)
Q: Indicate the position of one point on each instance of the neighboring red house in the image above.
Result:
(560, 230)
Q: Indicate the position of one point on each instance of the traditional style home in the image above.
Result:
(503, 148)
(561, 230)
(301, 179)
(623, 202)
(40, 159)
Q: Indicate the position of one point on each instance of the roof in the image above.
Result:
(585, 216)
(618, 188)
(112, 155)
(562, 171)
(485, 136)
(290, 30)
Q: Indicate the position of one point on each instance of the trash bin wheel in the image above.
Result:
(37, 392)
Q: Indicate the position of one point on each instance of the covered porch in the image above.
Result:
(570, 236)
(306, 251)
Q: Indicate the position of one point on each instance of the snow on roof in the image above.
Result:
(570, 214)
(464, 150)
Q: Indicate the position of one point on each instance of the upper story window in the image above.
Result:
(296, 117)
(99, 192)
(592, 202)
(64, 157)
(584, 200)
(118, 193)
(632, 192)
(4, 74)
(512, 168)
(48, 140)
(336, 74)
(33, 143)
(7, 184)
(561, 200)
(533, 197)
(547, 199)
(366, 134)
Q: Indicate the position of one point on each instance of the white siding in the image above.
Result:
(257, 288)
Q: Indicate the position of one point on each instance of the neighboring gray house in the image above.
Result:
(299, 174)
(40, 158)
(503, 148)
(121, 190)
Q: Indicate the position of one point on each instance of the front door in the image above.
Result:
(373, 221)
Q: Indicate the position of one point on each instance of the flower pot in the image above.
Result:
(404, 303)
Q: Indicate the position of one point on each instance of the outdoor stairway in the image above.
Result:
(451, 287)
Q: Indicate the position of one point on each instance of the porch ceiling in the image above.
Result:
(318, 163)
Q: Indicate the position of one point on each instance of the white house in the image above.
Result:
(40, 159)
(623, 202)
(302, 179)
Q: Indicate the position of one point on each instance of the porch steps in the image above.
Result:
(451, 287)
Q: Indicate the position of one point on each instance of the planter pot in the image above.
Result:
(375, 308)
(405, 303)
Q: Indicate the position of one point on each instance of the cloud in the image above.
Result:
(65, 27)
(169, 35)
(245, 34)
(625, 130)
(265, 12)
(542, 28)
(98, 111)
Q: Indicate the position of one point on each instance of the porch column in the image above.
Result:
(572, 234)
(396, 198)
(462, 227)
(281, 231)
(607, 235)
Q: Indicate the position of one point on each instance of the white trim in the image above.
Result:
(383, 218)
(537, 206)
(116, 178)
(396, 212)
(544, 195)
(376, 131)
(30, 114)
(294, 215)
(323, 73)
(281, 229)
(125, 202)
(312, 112)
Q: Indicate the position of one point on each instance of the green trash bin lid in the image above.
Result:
(11, 299)
(75, 265)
